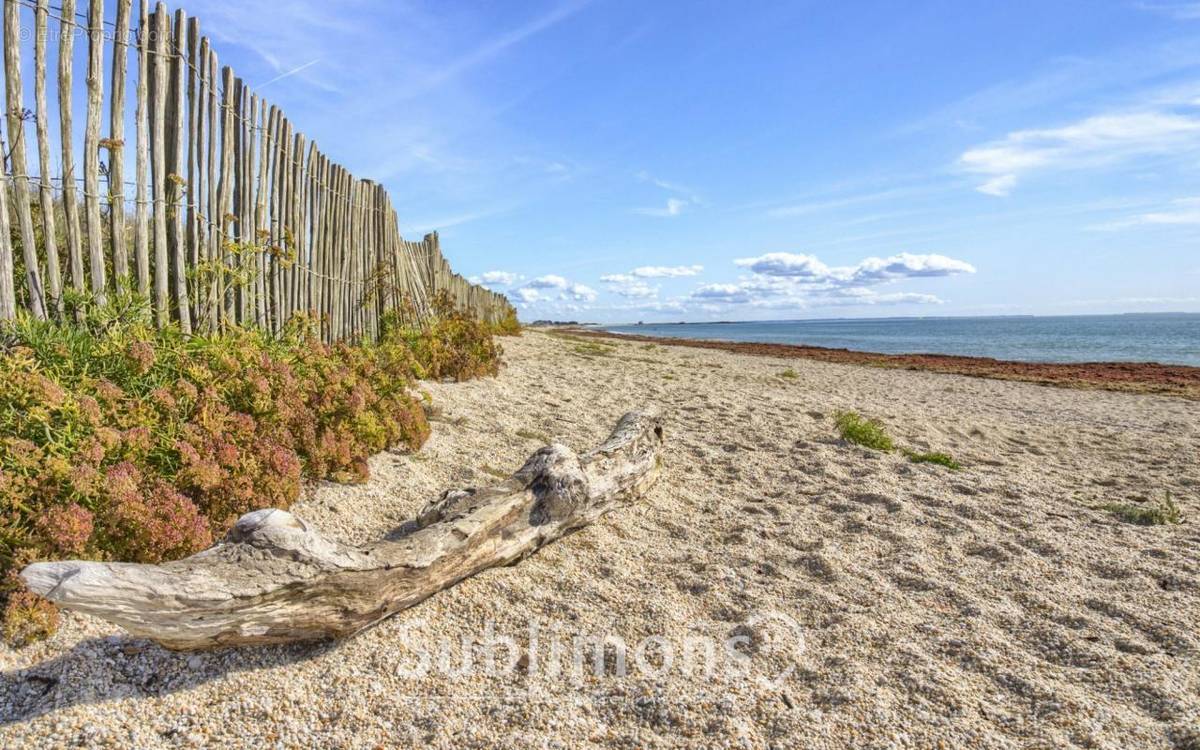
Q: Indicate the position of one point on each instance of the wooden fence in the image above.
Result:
(237, 219)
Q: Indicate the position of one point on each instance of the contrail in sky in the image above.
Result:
(291, 72)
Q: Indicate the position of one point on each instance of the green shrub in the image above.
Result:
(941, 459)
(122, 442)
(454, 345)
(789, 373)
(508, 325)
(869, 433)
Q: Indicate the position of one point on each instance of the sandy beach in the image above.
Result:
(871, 602)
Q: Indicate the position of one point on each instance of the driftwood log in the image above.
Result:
(274, 579)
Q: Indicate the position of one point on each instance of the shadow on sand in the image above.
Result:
(98, 670)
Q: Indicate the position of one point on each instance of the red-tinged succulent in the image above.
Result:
(124, 443)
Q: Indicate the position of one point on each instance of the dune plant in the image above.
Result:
(119, 441)
(1161, 513)
(857, 429)
(936, 457)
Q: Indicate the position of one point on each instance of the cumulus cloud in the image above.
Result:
(786, 264)
(793, 280)
(637, 290)
(633, 285)
(527, 295)
(1098, 140)
(580, 293)
(549, 281)
(907, 265)
(552, 287)
(495, 278)
(734, 294)
(810, 269)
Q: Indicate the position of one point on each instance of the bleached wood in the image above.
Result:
(193, 143)
(15, 113)
(225, 191)
(45, 187)
(175, 181)
(161, 71)
(141, 117)
(8, 290)
(116, 145)
(213, 213)
(274, 579)
(70, 194)
(91, 149)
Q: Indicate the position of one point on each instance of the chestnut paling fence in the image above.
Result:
(229, 215)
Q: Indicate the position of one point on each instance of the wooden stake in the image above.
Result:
(45, 188)
(116, 144)
(91, 148)
(14, 96)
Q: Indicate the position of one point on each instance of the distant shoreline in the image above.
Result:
(1133, 377)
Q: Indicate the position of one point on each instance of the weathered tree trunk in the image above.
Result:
(274, 579)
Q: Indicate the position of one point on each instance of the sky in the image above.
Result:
(622, 160)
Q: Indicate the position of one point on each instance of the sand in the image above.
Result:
(877, 602)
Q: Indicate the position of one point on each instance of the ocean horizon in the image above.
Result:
(1165, 338)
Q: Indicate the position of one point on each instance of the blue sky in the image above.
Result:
(619, 160)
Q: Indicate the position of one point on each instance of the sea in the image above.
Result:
(1166, 338)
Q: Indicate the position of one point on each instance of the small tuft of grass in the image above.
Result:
(541, 437)
(1162, 513)
(594, 349)
(941, 459)
(650, 347)
(493, 471)
(790, 374)
(869, 433)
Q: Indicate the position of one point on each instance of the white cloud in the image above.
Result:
(495, 278)
(786, 264)
(907, 265)
(1095, 141)
(1180, 212)
(637, 290)
(674, 207)
(633, 285)
(791, 281)
(734, 294)
(526, 295)
(549, 281)
(581, 293)
(809, 269)
(999, 186)
(554, 288)
(658, 272)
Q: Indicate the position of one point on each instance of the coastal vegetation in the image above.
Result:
(1159, 513)
(870, 433)
(941, 459)
(857, 429)
(128, 442)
